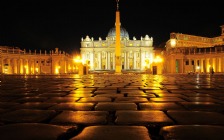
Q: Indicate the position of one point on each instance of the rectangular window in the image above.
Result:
(192, 62)
(187, 62)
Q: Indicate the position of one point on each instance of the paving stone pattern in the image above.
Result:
(112, 107)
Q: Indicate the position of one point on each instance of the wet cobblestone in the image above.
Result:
(109, 106)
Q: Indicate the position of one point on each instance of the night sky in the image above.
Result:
(49, 24)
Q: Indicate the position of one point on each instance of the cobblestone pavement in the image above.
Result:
(112, 107)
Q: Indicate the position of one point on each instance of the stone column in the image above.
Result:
(18, 66)
(15, 66)
(113, 61)
(183, 64)
(109, 68)
(65, 65)
(143, 60)
(35, 66)
(91, 60)
(201, 65)
(213, 63)
(128, 64)
(208, 65)
(106, 67)
(9, 66)
(125, 60)
(134, 60)
(216, 64)
(222, 60)
(1, 65)
(29, 66)
(99, 61)
(173, 64)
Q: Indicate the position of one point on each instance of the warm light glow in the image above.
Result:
(37, 69)
(77, 59)
(198, 67)
(146, 63)
(173, 42)
(26, 69)
(57, 69)
(208, 67)
(158, 59)
(5, 70)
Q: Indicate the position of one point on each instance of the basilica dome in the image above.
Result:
(123, 32)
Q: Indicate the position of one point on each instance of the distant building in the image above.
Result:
(13, 60)
(189, 53)
(100, 54)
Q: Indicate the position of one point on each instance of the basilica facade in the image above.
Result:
(100, 54)
(194, 54)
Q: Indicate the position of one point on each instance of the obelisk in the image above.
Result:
(118, 41)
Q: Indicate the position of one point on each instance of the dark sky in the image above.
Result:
(49, 24)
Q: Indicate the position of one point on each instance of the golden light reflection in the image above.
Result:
(157, 81)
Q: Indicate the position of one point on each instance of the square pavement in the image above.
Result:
(111, 106)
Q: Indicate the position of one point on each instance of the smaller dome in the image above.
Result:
(123, 32)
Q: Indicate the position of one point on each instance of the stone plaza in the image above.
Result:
(112, 107)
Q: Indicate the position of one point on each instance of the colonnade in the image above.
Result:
(40, 65)
(196, 63)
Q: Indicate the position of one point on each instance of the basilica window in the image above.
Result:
(187, 62)
(42, 62)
